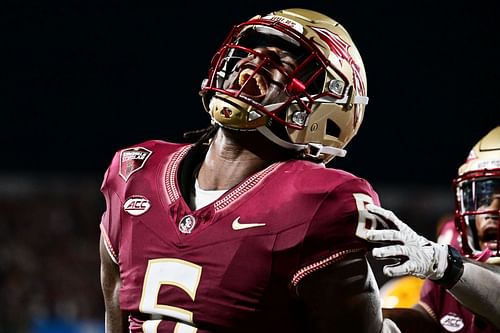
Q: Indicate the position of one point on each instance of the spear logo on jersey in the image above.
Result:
(187, 224)
(132, 160)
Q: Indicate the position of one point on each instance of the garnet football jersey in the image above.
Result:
(449, 313)
(233, 264)
(448, 234)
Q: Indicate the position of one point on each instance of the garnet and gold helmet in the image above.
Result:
(477, 189)
(295, 76)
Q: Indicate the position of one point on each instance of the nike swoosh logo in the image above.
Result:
(239, 226)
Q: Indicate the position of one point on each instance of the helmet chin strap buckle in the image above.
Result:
(316, 149)
(310, 149)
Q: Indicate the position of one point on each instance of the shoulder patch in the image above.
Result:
(452, 322)
(132, 160)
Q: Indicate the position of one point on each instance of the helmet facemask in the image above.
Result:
(295, 77)
(477, 199)
(478, 211)
(262, 69)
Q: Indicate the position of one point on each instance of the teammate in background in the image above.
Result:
(246, 230)
(462, 292)
(447, 233)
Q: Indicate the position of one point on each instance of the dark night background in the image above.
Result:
(81, 79)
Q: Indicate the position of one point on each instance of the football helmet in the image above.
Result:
(401, 292)
(477, 190)
(295, 76)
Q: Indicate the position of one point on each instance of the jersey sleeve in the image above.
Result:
(430, 298)
(335, 227)
(110, 221)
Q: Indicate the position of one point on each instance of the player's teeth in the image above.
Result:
(242, 80)
(261, 85)
(246, 73)
(244, 76)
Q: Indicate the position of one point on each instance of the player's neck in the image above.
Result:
(228, 162)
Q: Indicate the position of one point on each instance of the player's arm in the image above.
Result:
(115, 319)
(472, 283)
(478, 289)
(342, 297)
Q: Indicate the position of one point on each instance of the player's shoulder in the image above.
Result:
(153, 145)
(139, 157)
(316, 175)
(143, 150)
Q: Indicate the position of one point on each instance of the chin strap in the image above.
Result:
(310, 149)
(325, 99)
(328, 99)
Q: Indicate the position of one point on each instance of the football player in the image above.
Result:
(462, 290)
(247, 230)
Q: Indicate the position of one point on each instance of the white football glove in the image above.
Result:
(425, 259)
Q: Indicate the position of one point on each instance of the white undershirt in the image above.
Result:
(205, 197)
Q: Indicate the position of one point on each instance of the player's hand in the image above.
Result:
(417, 255)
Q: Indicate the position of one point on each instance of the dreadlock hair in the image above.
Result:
(201, 136)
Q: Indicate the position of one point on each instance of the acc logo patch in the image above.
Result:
(136, 205)
(132, 160)
(452, 322)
